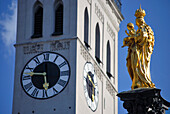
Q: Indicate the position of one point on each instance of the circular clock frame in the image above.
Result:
(50, 75)
(90, 86)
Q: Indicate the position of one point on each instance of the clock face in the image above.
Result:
(90, 86)
(45, 75)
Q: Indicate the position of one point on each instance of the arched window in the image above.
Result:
(58, 29)
(38, 20)
(86, 28)
(108, 61)
(97, 43)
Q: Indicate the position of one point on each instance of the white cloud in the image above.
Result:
(8, 26)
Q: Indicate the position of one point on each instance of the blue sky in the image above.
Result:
(7, 54)
(157, 16)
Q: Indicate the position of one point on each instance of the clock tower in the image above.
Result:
(67, 57)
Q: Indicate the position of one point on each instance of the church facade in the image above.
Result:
(67, 57)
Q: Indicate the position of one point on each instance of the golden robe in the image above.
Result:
(139, 55)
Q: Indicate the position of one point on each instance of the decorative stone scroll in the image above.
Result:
(59, 45)
(33, 48)
(110, 31)
(110, 88)
(99, 13)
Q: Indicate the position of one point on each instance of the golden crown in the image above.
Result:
(140, 13)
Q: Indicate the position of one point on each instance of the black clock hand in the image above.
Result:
(91, 86)
(90, 79)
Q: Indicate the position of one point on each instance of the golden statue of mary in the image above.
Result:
(140, 47)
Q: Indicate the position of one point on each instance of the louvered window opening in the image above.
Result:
(108, 64)
(86, 28)
(59, 21)
(38, 23)
(97, 44)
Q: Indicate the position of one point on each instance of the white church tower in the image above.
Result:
(67, 57)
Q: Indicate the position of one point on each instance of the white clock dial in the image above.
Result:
(90, 86)
(45, 75)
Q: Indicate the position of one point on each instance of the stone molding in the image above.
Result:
(144, 101)
(110, 31)
(99, 13)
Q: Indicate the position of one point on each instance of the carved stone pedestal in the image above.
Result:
(144, 101)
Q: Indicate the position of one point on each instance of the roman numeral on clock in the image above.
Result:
(46, 56)
(29, 68)
(55, 58)
(64, 73)
(35, 92)
(61, 82)
(55, 91)
(85, 89)
(26, 77)
(44, 94)
(62, 64)
(28, 86)
(37, 60)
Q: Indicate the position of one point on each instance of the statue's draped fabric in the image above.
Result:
(140, 47)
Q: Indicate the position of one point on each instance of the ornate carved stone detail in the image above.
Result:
(109, 88)
(110, 31)
(39, 47)
(98, 72)
(59, 45)
(89, 1)
(110, 15)
(33, 48)
(84, 53)
(144, 101)
(99, 13)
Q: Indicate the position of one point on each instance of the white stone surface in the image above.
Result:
(72, 99)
